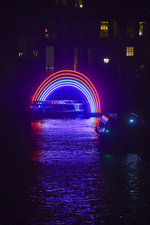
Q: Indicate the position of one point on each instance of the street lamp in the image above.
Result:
(106, 60)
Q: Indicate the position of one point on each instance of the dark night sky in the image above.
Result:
(128, 7)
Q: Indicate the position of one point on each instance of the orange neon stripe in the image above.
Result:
(59, 74)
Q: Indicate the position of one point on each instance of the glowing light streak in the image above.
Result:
(68, 82)
(92, 105)
(81, 88)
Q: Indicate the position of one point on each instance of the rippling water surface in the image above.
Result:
(71, 180)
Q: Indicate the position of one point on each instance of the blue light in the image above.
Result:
(107, 131)
(132, 121)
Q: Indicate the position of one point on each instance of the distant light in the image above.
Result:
(46, 35)
(80, 2)
(108, 156)
(20, 54)
(141, 28)
(49, 67)
(106, 60)
(107, 131)
(132, 121)
(35, 53)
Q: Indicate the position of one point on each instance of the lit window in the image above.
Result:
(129, 51)
(46, 33)
(20, 54)
(141, 28)
(35, 53)
(50, 30)
(130, 30)
(104, 29)
(115, 30)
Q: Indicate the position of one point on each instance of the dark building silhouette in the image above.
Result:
(108, 41)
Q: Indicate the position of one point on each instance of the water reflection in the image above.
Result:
(134, 164)
(74, 182)
(69, 186)
(133, 168)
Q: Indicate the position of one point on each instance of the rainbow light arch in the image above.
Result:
(69, 78)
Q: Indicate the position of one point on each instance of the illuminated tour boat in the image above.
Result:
(58, 106)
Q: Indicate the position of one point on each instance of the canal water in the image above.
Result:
(55, 171)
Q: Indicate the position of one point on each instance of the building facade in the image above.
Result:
(109, 46)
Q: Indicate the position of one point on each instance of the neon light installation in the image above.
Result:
(69, 78)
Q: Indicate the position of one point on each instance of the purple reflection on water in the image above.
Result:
(69, 187)
(133, 163)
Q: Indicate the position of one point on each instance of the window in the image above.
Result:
(130, 30)
(141, 28)
(50, 58)
(64, 2)
(104, 29)
(115, 29)
(75, 58)
(46, 33)
(35, 53)
(22, 47)
(129, 51)
(50, 30)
